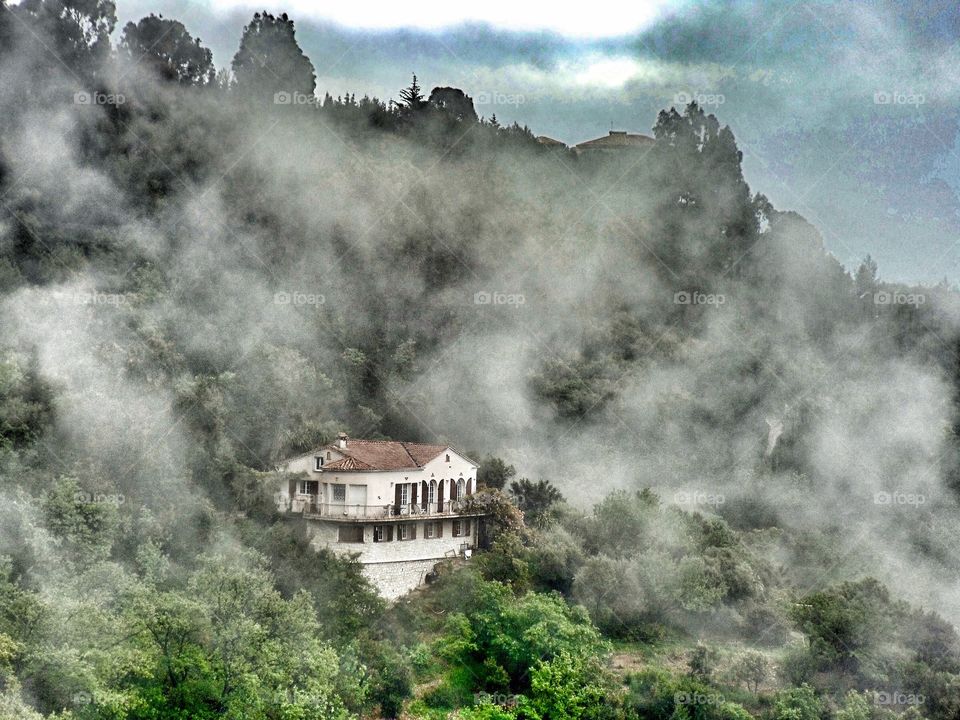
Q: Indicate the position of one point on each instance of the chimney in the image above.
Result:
(342, 440)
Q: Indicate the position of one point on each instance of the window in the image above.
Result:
(430, 530)
(405, 494)
(318, 462)
(382, 533)
(307, 487)
(432, 492)
(350, 534)
(328, 455)
(339, 493)
(461, 528)
(461, 488)
(406, 531)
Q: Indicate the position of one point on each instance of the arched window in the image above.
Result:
(461, 488)
(432, 497)
(470, 486)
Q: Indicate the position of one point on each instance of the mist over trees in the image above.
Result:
(720, 469)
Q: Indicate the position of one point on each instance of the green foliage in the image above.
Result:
(167, 47)
(26, 401)
(656, 694)
(494, 473)
(535, 500)
(843, 624)
(85, 522)
(270, 61)
(800, 703)
(499, 638)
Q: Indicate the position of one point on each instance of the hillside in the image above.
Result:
(722, 468)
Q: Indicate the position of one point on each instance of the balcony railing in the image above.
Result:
(309, 505)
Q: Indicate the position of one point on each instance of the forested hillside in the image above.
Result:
(721, 469)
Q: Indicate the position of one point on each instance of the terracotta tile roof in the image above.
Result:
(383, 455)
(347, 463)
(617, 139)
(549, 141)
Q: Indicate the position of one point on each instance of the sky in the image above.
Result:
(845, 112)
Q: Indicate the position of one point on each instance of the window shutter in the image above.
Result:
(389, 533)
(424, 497)
(413, 531)
(397, 497)
(440, 495)
(413, 493)
(440, 528)
(470, 486)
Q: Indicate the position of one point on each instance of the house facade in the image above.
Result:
(399, 506)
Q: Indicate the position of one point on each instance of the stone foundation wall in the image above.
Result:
(394, 579)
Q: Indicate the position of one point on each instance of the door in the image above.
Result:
(357, 499)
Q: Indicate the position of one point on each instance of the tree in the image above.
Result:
(170, 51)
(752, 669)
(494, 473)
(412, 97)
(454, 102)
(799, 703)
(270, 64)
(535, 499)
(865, 281)
(843, 623)
(79, 30)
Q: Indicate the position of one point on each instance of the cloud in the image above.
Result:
(603, 19)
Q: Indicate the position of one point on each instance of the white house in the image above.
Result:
(399, 506)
